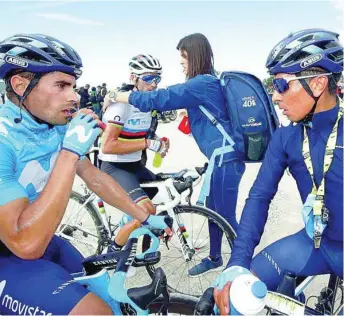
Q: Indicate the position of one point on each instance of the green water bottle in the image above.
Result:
(157, 160)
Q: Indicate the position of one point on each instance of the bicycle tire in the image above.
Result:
(95, 223)
(338, 294)
(173, 115)
(179, 304)
(229, 235)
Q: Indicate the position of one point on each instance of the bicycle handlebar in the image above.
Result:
(138, 298)
(176, 197)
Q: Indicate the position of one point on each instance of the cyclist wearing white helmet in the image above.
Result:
(129, 132)
(40, 155)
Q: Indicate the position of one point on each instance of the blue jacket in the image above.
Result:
(285, 150)
(203, 90)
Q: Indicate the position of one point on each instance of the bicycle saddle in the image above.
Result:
(145, 295)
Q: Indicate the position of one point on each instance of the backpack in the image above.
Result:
(252, 115)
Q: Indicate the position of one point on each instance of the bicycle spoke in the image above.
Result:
(181, 275)
(192, 217)
(200, 283)
(175, 259)
(174, 270)
(203, 241)
(201, 228)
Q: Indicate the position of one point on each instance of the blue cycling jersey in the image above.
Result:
(203, 90)
(285, 150)
(28, 154)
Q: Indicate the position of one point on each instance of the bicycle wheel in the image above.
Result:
(179, 304)
(173, 115)
(81, 225)
(338, 295)
(195, 220)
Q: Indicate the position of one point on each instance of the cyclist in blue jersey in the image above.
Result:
(40, 155)
(225, 167)
(128, 133)
(307, 66)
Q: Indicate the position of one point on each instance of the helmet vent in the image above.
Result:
(336, 57)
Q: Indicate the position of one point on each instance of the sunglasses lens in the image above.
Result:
(280, 85)
(158, 79)
(151, 78)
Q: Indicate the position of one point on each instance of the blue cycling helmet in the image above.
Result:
(306, 49)
(38, 53)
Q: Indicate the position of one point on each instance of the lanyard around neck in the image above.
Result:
(329, 151)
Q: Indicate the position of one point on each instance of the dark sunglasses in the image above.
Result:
(150, 79)
(281, 85)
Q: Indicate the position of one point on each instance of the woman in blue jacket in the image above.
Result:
(202, 87)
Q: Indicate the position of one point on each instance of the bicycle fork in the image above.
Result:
(187, 251)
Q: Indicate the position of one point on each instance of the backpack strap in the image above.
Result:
(205, 190)
(215, 122)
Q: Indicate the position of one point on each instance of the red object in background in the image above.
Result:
(184, 126)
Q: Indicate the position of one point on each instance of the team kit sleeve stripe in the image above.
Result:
(116, 123)
(136, 130)
(138, 134)
(129, 140)
(141, 200)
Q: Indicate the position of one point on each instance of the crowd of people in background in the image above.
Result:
(92, 97)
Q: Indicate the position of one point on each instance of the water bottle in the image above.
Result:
(247, 295)
(157, 161)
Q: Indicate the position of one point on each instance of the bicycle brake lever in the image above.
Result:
(166, 239)
(188, 198)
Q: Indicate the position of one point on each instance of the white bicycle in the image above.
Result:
(90, 229)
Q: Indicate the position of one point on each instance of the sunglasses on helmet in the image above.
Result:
(150, 79)
(281, 85)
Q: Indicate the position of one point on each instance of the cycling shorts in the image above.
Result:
(296, 254)
(129, 175)
(43, 286)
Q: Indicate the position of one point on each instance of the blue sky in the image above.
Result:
(107, 33)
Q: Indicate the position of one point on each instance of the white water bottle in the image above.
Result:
(247, 295)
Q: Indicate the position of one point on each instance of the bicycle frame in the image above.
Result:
(166, 199)
(105, 227)
(174, 199)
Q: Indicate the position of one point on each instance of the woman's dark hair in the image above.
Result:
(199, 54)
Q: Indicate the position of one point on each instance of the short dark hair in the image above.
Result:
(9, 91)
(200, 55)
(332, 79)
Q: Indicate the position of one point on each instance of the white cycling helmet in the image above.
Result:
(144, 63)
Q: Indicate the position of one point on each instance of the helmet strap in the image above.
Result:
(308, 118)
(33, 83)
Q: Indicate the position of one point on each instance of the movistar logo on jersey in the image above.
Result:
(80, 132)
(34, 174)
(138, 122)
(16, 61)
(17, 307)
(310, 60)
